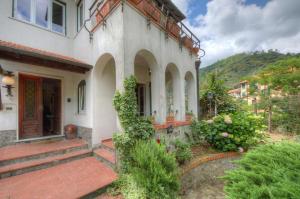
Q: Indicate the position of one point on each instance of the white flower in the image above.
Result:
(227, 119)
(225, 134)
(241, 150)
(210, 121)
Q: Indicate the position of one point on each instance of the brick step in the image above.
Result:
(106, 156)
(75, 179)
(108, 144)
(33, 165)
(38, 150)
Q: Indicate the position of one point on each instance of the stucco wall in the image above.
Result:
(139, 36)
(9, 118)
(125, 34)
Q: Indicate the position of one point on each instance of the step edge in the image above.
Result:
(35, 156)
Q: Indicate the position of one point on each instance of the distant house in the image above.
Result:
(242, 91)
(69, 57)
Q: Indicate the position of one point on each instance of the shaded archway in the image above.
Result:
(147, 73)
(105, 116)
(173, 91)
(190, 93)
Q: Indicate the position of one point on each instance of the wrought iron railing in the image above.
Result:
(101, 9)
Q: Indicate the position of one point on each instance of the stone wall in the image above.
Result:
(7, 137)
(178, 132)
(86, 134)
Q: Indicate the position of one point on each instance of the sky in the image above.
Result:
(228, 27)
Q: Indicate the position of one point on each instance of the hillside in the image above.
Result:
(239, 66)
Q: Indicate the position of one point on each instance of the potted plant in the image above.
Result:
(187, 42)
(171, 117)
(71, 131)
(189, 116)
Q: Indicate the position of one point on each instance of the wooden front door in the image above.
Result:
(30, 107)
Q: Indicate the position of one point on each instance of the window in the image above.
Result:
(81, 96)
(23, 10)
(58, 17)
(80, 15)
(40, 12)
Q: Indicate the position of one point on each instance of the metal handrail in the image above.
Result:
(184, 30)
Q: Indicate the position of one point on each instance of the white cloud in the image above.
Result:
(182, 5)
(231, 26)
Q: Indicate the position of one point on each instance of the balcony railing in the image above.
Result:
(101, 9)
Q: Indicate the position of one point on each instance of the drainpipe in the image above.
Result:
(197, 67)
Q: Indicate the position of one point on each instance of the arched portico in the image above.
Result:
(146, 71)
(190, 93)
(173, 91)
(104, 87)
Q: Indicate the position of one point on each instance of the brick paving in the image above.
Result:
(29, 149)
(70, 180)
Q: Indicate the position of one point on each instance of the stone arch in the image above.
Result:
(173, 91)
(104, 87)
(147, 73)
(190, 93)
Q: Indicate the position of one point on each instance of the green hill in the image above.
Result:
(239, 66)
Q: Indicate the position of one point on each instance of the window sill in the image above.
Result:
(39, 27)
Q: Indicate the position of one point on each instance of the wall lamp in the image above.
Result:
(7, 80)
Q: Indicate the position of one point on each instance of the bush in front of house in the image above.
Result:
(269, 172)
(232, 132)
(182, 151)
(154, 171)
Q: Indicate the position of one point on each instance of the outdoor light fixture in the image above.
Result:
(1, 73)
(8, 81)
(210, 96)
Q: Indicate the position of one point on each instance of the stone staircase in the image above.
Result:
(55, 169)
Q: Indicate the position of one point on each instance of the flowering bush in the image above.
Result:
(234, 132)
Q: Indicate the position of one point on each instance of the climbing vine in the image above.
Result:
(135, 128)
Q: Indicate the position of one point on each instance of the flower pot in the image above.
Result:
(152, 11)
(173, 28)
(195, 50)
(188, 118)
(71, 131)
(170, 119)
(187, 42)
(136, 2)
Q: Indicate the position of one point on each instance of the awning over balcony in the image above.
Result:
(24, 54)
(173, 9)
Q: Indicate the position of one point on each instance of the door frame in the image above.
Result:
(18, 73)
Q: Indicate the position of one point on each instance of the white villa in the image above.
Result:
(62, 61)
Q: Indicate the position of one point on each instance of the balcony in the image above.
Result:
(156, 12)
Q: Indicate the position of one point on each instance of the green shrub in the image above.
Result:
(196, 136)
(154, 170)
(269, 172)
(237, 131)
(131, 189)
(183, 152)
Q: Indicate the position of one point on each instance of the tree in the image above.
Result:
(221, 100)
(283, 80)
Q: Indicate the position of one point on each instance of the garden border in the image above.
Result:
(207, 158)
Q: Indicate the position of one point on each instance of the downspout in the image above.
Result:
(197, 67)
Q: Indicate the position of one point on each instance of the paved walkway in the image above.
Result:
(70, 180)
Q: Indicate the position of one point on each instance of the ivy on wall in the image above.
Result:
(135, 128)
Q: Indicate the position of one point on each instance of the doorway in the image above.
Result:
(39, 106)
(140, 95)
